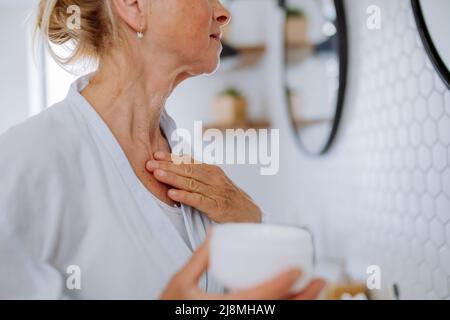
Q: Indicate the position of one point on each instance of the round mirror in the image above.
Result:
(433, 21)
(315, 70)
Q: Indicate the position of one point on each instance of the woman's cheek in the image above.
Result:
(198, 38)
(194, 44)
(195, 28)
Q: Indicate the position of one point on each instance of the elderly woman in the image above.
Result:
(91, 204)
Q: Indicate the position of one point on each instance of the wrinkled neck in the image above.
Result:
(131, 97)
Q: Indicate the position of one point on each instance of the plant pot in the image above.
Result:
(230, 111)
(297, 31)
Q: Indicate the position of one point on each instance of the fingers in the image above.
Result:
(312, 292)
(196, 200)
(185, 170)
(197, 265)
(180, 182)
(184, 284)
(277, 288)
(164, 156)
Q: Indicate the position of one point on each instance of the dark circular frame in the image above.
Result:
(341, 25)
(428, 43)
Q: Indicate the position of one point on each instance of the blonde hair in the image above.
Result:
(89, 41)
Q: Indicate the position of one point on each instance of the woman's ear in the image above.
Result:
(132, 12)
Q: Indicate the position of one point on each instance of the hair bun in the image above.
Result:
(89, 29)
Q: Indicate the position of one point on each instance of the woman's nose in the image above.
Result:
(221, 14)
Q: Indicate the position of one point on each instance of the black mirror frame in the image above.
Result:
(341, 24)
(428, 44)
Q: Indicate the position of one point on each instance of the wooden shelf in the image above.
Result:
(259, 49)
(304, 123)
(299, 46)
(254, 124)
(248, 56)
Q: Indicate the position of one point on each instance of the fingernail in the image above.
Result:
(160, 173)
(323, 284)
(152, 164)
(294, 274)
(173, 193)
(159, 154)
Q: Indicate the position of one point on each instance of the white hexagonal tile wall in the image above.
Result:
(442, 208)
(436, 105)
(439, 155)
(440, 287)
(444, 259)
(437, 233)
(444, 129)
(388, 176)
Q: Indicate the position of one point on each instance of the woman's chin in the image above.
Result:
(213, 70)
(206, 70)
(213, 66)
(206, 67)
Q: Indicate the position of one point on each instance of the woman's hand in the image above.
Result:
(204, 187)
(184, 285)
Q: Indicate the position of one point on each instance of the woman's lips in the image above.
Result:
(216, 36)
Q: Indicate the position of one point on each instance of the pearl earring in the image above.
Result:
(140, 34)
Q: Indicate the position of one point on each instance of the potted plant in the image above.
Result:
(296, 27)
(230, 108)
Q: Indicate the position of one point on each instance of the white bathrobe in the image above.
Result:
(70, 201)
